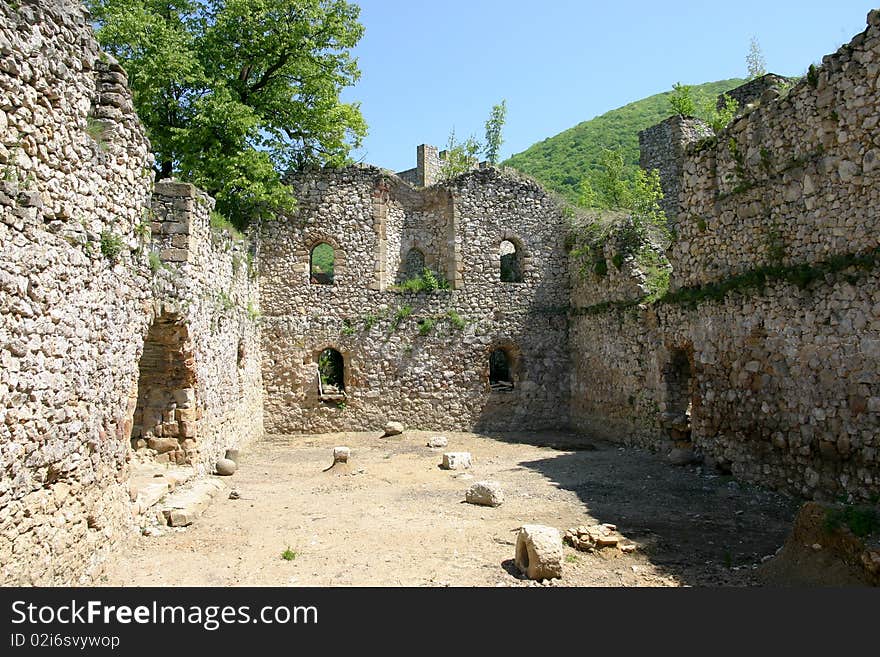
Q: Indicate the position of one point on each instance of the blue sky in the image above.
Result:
(430, 66)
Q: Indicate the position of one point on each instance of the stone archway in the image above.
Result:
(165, 419)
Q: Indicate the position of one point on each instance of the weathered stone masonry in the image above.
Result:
(130, 329)
(783, 379)
(394, 367)
(78, 297)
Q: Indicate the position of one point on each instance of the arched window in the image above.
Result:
(321, 264)
(511, 263)
(331, 373)
(414, 264)
(500, 370)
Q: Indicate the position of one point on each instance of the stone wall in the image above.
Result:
(779, 350)
(207, 288)
(429, 161)
(74, 289)
(786, 390)
(84, 303)
(662, 148)
(422, 358)
(794, 181)
(751, 91)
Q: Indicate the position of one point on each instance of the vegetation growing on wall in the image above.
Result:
(427, 281)
(460, 157)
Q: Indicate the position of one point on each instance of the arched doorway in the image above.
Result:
(165, 417)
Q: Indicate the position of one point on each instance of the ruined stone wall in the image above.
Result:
(421, 358)
(794, 181)
(207, 284)
(785, 381)
(781, 364)
(751, 91)
(429, 163)
(662, 148)
(75, 178)
(89, 300)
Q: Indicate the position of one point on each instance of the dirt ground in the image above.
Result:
(396, 518)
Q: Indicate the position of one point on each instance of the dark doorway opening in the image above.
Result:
(500, 371)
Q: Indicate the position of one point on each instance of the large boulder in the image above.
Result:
(539, 552)
(341, 454)
(484, 493)
(393, 428)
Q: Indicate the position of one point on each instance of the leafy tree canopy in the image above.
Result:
(234, 92)
(613, 188)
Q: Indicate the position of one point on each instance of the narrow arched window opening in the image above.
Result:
(331, 373)
(321, 263)
(511, 263)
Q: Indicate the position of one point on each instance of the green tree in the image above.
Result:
(610, 187)
(460, 156)
(235, 92)
(613, 188)
(755, 60)
(494, 125)
(681, 100)
(719, 115)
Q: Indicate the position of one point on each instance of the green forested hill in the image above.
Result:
(561, 162)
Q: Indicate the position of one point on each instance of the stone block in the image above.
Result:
(485, 493)
(184, 398)
(393, 428)
(163, 445)
(173, 255)
(341, 454)
(437, 441)
(539, 552)
(226, 467)
(456, 460)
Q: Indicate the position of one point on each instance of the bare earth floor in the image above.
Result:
(395, 518)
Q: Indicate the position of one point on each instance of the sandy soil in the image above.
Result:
(395, 518)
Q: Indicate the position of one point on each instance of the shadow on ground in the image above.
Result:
(700, 527)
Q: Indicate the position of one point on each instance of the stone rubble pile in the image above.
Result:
(597, 537)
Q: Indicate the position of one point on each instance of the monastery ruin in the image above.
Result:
(133, 332)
